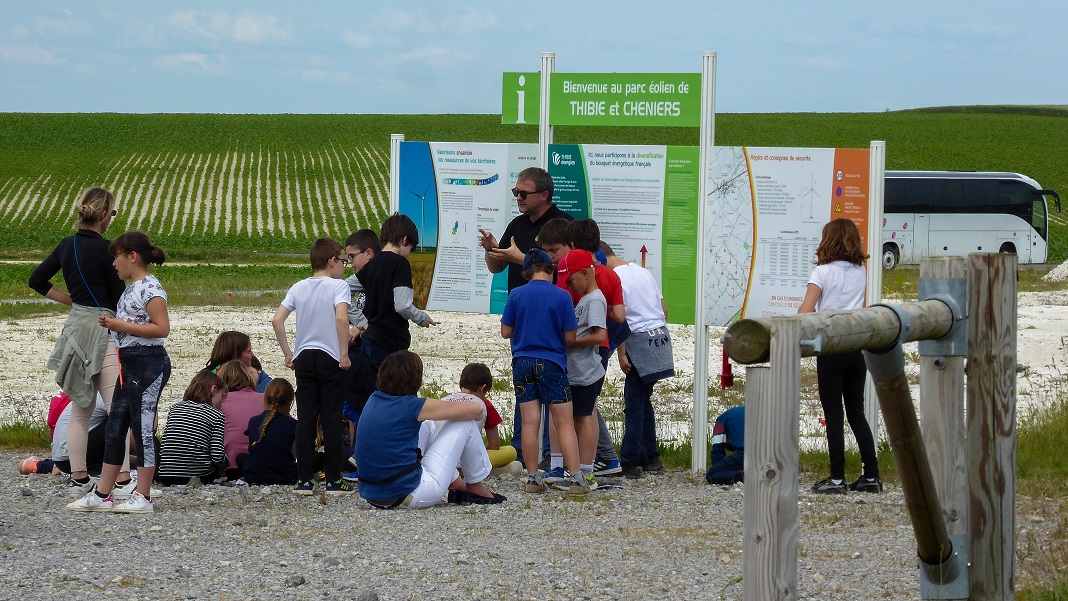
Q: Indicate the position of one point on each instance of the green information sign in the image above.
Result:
(520, 98)
(626, 99)
(616, 99)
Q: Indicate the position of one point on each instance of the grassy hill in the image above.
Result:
(235, 184)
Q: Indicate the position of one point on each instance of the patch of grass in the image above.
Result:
(1041, 464)
(25, 434)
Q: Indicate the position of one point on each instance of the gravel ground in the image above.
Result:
(664, 536)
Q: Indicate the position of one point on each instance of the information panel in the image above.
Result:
(765, 212)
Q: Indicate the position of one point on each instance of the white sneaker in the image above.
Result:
(121, 493)
(75, 489)
(91, 502)
(137, 503)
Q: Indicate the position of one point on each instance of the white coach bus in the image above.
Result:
(953, 213)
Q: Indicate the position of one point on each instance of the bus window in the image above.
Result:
(919, 197)
(1038, 216)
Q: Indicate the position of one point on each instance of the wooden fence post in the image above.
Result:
(942, 412)
(771, 470)
(991, 424)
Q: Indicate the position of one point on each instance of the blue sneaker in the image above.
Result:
(554, 475)
(353, 476)
(607, 468)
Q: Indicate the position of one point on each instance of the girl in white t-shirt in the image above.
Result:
(838, 283)
(139, 328)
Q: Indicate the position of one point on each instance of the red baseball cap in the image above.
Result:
(574, 261)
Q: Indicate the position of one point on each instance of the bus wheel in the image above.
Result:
(1008, 247)
(890, 256)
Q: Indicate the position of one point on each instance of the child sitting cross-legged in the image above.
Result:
(192, 445)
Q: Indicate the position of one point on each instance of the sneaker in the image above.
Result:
(577, 487)
(352, 461)
(121, 493)
(339, 487)
(77, 489)
(654, 465)
(535, 484)
(304, 488)
(606, 468)
(554, 475)
(631, 471)
(353, 476)
(137, 503)
(829, 487)
(865, 484)
(91, 502)
(591, 482)
(29, 465)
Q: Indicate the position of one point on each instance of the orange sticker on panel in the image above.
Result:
(849, 190)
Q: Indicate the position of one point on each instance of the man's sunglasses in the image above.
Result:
(517, 193)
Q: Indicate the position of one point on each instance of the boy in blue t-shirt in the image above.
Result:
(540, 320)
(727, 435)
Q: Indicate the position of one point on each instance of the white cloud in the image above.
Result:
(326, 76)
(405, 21)
(435, 57)
(25, 54)
(471, 21)
(256, 29)
(358, 40)
(19, 33)
(820, 63)
(194, 60)
(246, 29)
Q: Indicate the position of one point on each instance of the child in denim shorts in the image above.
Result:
(540, 320)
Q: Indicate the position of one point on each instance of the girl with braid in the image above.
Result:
(271, 438)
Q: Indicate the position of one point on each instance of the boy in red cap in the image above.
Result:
(584, 370)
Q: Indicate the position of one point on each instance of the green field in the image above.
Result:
(224, 186)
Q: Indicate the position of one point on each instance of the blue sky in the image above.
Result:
(430, 57)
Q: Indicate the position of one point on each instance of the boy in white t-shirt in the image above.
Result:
(319, 361)
(645, 358)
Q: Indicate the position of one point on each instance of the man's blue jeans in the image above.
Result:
(639, 423)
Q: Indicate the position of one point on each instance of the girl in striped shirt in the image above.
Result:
(192, 444)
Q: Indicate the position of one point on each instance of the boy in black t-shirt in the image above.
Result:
(386, 281)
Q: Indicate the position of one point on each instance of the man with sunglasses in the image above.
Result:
(533, 193)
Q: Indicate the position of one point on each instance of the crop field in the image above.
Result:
(225, 186)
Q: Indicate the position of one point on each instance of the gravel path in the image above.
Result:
(664, 536)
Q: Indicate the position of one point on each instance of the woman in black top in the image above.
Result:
(84, 357)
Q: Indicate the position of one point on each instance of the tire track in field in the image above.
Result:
(380, 199)
(136, 189)
(296, 215)
(190, 177)
(227, 187)
(369, 219)
(309, 201)
(355, 211)
(213, 210)
(150, 194)
(219, 197)
(36, 195)
(243, 206)
(26, 192)
(200, 206)
(127, 176)
(116, 185)
(53, 210)
(140, 195)
(263, 197)
(343, 226)
(281, 202)
(178, 200)
(156, 198)
(164, 199)
(336, 202)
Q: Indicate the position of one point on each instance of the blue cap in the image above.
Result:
(536, 255)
